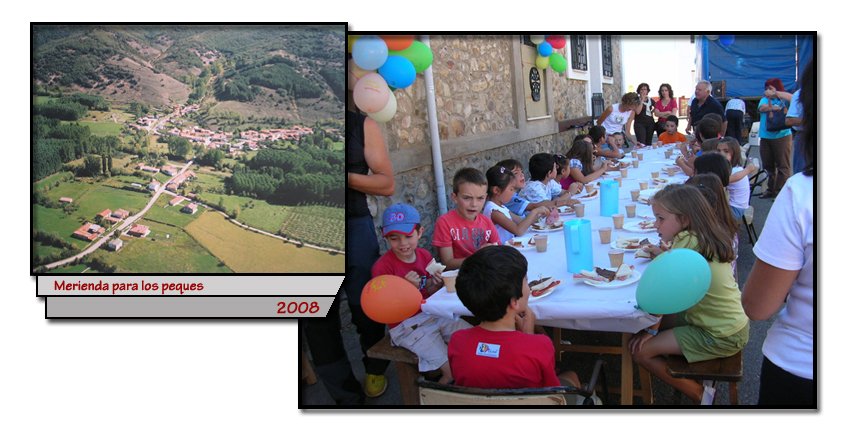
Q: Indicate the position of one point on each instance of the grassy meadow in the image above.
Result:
(244, 251)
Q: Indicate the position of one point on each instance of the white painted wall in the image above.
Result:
(656, 60)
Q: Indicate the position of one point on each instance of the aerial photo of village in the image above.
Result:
(187, 149)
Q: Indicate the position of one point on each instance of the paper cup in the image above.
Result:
(623, 173)
(670, 171)
(618, 220)
(616, 257)
(605, 234)
(618, 179)
(636, 163)
(655, 175)
(640, 156)
(634, 195)
(450, 279)
(668, 154)
(631, 211)
(579, 208)
(540, 242)
(589, 188)
(643, 185)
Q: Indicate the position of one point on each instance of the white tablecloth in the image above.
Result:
(575, 304)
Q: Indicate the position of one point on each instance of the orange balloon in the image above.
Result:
(397, 43)
(390, 299)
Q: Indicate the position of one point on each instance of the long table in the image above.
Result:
(575, 304)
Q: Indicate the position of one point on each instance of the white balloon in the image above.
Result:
(712, 37)
(387, 113)
(537, 39)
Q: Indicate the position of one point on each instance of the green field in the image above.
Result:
(247, 252)
(100, 128)
(170, 214)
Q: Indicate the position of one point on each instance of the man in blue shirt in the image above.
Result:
(704, 104)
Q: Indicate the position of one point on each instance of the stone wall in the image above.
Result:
(477, 108)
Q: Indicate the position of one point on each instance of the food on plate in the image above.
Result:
(543, 225)
(660, 180)
(625, 242)
(647, 224)
(565, 209)
(552, 218)
(600, 274)
(543, 286)
(591, 194)
(642, 253)
(434, 267)
(518, 242)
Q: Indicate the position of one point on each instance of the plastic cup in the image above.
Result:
(643, 185)
(616, 257)
(540, 242)
(579, 208)
(631, 211)
(623, 173)
(618, 220)
(655, 175)
(634, 195)
(450, 279)
(605, 234)
(636, 163)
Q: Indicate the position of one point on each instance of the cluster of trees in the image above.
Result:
(212, 157)
(72, 107)
(291, 176)
(177, 146)
(334, 79)
(243, 84)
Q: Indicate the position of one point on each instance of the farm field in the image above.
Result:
(247, 252)
(157, 253)
(100, 128)
(318, 225)
(169, 214)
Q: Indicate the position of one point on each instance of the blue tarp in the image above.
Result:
(751, 60)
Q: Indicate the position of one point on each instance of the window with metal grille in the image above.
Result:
(606, 44)
(579, 56)
(526, 40)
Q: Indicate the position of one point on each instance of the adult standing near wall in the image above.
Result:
(616, 118)
(704, 104)
(735, 111)
(644, 124)
(775, 145)
(664, 108)
(369, 172)
(783, 274)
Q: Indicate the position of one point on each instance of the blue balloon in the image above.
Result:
(544, 49)
(674, 282)
(369, 52)
(398, 71)
(727, 40)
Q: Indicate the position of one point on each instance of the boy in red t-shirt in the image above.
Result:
(503, 351)
(425, 335)
(461, 232)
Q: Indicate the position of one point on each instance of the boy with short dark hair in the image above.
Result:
(461, 232)
(502, 351)
(518, 205)
(671, 135)
(425, 335)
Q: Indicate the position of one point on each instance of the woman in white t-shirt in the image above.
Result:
(616, 118)
(783, 274)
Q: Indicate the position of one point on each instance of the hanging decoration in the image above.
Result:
(546, 56)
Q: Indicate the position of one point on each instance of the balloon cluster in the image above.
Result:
(545, 45)
(380, 65)
(725, 39)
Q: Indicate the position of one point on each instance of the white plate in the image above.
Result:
(551, 290)
(612, 173)
(612, 244)
(615, 284)
(549, 230)
(585, 199)
(566, 211)
(634, 227)
(660, 181)
(524, 240)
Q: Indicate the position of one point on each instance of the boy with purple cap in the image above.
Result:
(425, 335)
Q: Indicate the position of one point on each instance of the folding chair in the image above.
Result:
(756, 180)
(434, 393)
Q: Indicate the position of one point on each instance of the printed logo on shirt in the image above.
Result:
(488, 350)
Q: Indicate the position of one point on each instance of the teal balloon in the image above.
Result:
(557, 62)
(544, 49)
(418, 54)
(673, 282)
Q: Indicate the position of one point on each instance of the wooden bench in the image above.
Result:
(407, 367)
(729, 369)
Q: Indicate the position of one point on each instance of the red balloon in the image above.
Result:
(390, 299)
(397, 42)
(556, 41)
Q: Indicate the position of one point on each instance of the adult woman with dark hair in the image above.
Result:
(665, 107)
(775, 145)
(644, 119)
(783, 275)
(617, 117)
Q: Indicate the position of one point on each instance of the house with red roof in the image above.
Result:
(176, 200)
(139, 230)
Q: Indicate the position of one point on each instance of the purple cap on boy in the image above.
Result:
(400, 218)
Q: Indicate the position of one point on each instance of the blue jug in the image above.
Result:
(578, 245)
(608, 198)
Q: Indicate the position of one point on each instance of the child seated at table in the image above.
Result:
(502, 351)
(500, 190)
(604, 144)
(542, 187)
(714, 327)
(562, 164)
(581, 157)
(707, 129)
(518, 205)
(671, 135)
(461, 232)
(425, 335)
(739, 181)
(711, 187)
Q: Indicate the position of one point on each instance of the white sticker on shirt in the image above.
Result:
(488, 350)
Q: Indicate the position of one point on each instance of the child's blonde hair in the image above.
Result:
(687, 203)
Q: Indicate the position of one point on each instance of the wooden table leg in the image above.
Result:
(626, 371)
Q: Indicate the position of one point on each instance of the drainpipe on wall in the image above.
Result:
(436, 150)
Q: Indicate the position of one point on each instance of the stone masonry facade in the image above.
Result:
(475, 86)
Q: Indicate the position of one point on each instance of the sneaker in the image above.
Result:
(709, 395)
(375, 385)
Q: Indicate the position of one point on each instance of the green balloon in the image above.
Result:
(542, 62)
(675, 281)
(557, 62)
(418, 54)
